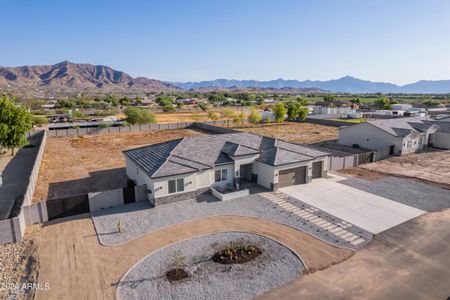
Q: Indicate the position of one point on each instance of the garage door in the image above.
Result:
(291, 176)
(317, 169)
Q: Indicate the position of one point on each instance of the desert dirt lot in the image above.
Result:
(77, 267)
(81, 164)
(189, 116)
(305, 133)
(409, 261)
(432, 167)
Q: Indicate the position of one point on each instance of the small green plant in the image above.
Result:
(120, 228)
(179, 263)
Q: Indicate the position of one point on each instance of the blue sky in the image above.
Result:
(396, 41)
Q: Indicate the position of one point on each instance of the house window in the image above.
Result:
(409, 144)
(221, 175)
(176, 185)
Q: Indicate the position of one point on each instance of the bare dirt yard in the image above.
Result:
(81, 164)
(191, 116)
(304, 133)
(432, 167)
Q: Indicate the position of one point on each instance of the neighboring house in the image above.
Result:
(184, 168)
(444, 119)
(401, 135)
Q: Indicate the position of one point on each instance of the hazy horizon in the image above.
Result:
(200, 40)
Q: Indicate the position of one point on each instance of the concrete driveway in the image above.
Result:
(368, 211)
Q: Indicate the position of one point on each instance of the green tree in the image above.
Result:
(15, 122)
(239, 118)
(382, 102)
(292, 110)
(124, 101)
(203, 106)
(356, 100)
(228, 114)
(329, 98)
(164, 100)
(39, 121)
(169, 108)
(139, 116)
(302, 113)
(301, 101)
(279, 112)
(254, 116)
(213, 116)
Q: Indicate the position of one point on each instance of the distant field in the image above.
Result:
(188, 116)
(305, 133)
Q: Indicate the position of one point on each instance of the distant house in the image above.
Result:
(401, 135)
(184, 168)
(444, 119)
(338, 107)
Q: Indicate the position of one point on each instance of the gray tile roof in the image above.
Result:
(204, 152)
(403, 126)
(443, 126)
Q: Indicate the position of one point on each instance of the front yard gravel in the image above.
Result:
(209, 280)
(406, 191)
(139, 218)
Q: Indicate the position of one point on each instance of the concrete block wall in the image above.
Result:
(106, 199)
(35, 213)
(11, 231)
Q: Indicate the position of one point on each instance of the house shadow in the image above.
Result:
(96, 182)
(15, 177)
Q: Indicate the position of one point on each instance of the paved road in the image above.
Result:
(368, 211)
(15, 178)
(77, 267)
(410, 261)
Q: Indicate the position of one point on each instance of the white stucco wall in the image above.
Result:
(269, 174)
(265, 174)
(442, 140)
(367, 136)
(243, 160)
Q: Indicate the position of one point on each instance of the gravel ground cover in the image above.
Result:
(10, 266)
(410, 192)
(209, 280)
(139, 218)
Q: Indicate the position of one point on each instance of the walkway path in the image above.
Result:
(330, 225)
(77, 267)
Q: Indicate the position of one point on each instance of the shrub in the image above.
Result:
(279, 112)
(139, 116)
(254, 116)
(169, 108)
(213, 116)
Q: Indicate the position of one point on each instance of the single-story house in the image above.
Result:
(401, 135)
(444, 119)
(184, 168)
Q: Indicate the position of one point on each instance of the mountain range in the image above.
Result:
(345, 84)
(77, 76)
(87, 76)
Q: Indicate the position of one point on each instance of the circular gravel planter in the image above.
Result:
(274, 265)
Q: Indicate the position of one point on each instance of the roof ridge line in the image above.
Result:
(285, 149)
(181, 164)
(197, 162)
(167, 159)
